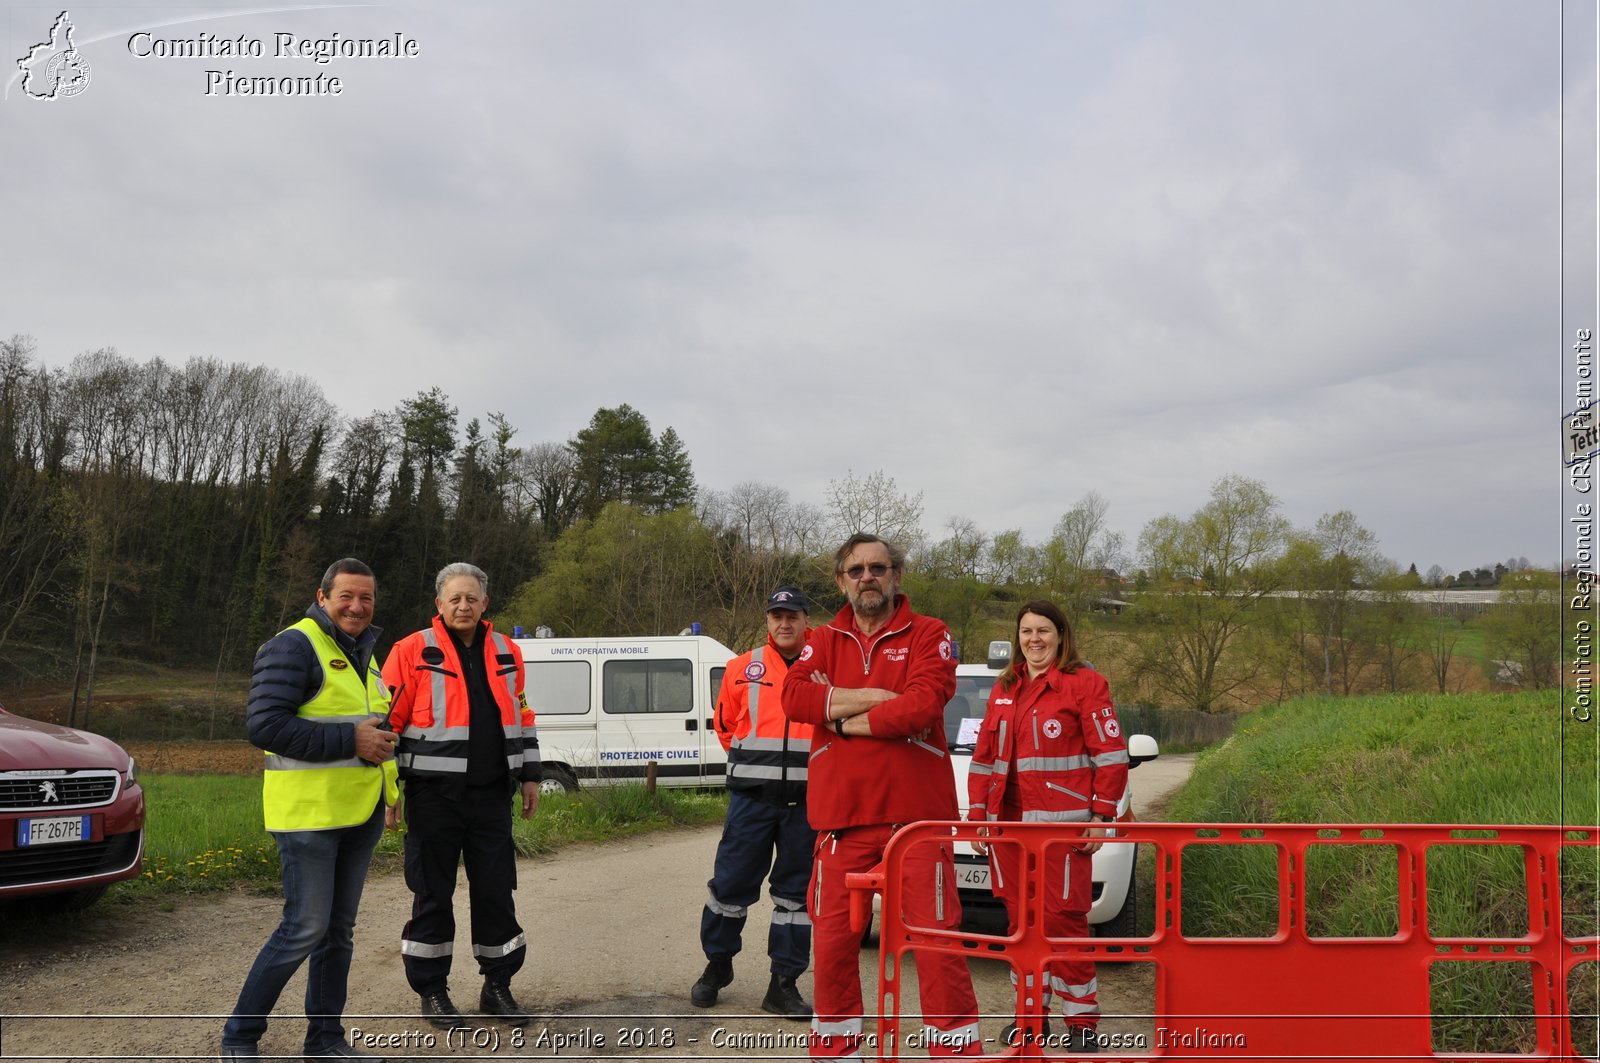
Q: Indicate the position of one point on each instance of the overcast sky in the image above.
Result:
(1007, 252)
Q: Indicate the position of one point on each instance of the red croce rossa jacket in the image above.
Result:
(901, 773)
(1050, 748)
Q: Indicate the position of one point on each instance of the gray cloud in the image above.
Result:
(1051, 247)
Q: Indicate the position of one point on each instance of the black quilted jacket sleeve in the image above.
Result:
(286, 674)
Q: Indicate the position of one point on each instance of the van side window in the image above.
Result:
(716, 683)
(558, 688)
(647, 686)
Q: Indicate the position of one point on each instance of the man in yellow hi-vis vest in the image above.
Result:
(319, 709)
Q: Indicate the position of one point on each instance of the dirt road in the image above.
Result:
(613, 935)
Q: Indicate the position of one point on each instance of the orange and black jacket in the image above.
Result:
(431, 710)
(767, 751)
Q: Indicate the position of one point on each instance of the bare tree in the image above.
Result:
(1445, 631)
(752, 527)
(1389, 624)
(361, 461)
(757, 513)
(1344, 557)
(875, 504)
(547, 474)
(1080, 555)
(946, 580)
(805, 533)
(960, 555)
(35, 532)
(107, 396)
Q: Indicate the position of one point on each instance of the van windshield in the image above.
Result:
(970, 701)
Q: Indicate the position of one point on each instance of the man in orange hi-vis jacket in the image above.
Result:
(467, 745)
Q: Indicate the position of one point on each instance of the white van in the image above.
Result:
(607, 707)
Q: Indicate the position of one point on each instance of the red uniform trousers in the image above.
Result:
(1068, 891)
(949, 1006)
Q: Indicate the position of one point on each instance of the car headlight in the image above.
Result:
(132, 773)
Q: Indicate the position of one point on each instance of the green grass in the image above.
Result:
(1474, 645)
(1467, 759)
(607, 812)
(204, 832)
(1404, 758)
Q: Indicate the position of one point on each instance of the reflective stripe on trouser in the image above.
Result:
(1066, 914)
(449, 823)
(949, 1008)
(756, 837)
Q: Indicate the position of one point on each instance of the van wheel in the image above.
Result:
(558, 781)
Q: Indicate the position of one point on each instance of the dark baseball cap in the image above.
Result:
(789, 598)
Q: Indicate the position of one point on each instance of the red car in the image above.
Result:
(71, 812)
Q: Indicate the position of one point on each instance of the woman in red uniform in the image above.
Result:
(1051, 751)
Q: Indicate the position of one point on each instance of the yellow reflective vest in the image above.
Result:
(322, 794)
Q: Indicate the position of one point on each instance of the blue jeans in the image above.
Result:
(323, 873)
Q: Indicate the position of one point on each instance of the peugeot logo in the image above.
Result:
(48, 789)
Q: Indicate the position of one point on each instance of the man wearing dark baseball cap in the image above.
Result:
(788, 599)
(766, 828)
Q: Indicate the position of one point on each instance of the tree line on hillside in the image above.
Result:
(1231, 605)
(183, 514)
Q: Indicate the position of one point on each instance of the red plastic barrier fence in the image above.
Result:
(1285, 995)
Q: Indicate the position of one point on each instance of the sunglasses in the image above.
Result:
(878, 570)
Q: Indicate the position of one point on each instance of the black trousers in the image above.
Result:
(449, 823)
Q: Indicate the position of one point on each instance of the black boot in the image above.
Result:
(783, 998)
(496, 999)
(717, 974)
(438, 1009)
(1082, 1039)
(1011, 1038)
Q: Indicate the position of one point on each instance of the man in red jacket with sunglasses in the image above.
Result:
(874, 682)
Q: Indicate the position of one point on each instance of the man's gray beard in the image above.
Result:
(879, 608)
